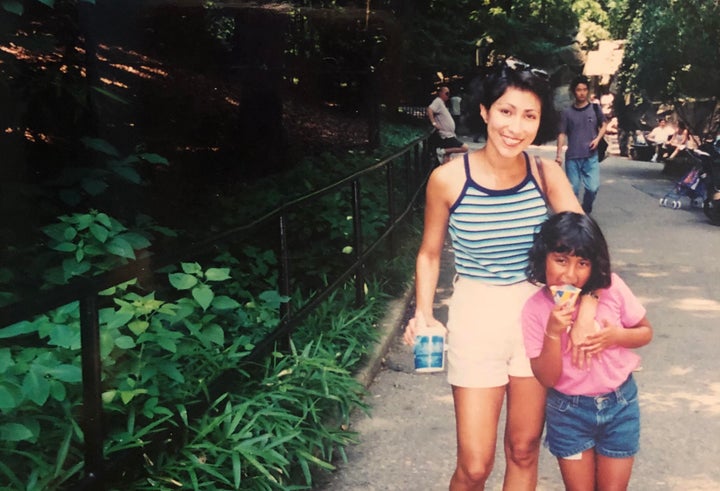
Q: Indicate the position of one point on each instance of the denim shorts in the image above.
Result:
(609, 422)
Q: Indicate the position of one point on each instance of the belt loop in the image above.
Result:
(620, 391)
(619, 396)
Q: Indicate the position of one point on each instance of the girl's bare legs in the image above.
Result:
(525, 418)
(579, 475)
(611, 474)
(476, 419)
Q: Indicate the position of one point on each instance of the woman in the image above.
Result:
(492, 200)
(679, 140)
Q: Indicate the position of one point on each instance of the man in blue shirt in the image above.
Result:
(582, 126)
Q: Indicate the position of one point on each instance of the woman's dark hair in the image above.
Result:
(574, 233)
(523, 77)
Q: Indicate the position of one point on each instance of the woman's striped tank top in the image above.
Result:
(492, 230)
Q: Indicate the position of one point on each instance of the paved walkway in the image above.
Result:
(670, 260)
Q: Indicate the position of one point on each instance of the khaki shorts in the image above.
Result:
(485, 344)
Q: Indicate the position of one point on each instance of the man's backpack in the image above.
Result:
(602, 144)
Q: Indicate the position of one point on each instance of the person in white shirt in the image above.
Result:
(659, 137)
(444, 138)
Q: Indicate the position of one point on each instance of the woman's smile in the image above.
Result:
(512, 121)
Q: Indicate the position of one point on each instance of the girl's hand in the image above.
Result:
(560, 318)
(415, 325)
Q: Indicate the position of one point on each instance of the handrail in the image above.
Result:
(86, 290)
(81, 286)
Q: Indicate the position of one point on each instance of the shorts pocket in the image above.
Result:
(557, 402)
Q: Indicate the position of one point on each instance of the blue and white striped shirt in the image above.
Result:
(492, 230)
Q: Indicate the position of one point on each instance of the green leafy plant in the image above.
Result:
(95, 180)
(94, 242)
(255, 438)
(39, 393)
(162, 352)
(6, 295)
(157, 356)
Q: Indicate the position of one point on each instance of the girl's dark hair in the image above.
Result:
(504, 76)
(575, 233)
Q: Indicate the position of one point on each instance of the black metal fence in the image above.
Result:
(407, 169)
(419, 112)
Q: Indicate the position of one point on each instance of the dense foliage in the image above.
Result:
(182, 410)
(160, 356)
(673, 50)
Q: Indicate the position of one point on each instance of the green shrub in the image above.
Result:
(167, 354)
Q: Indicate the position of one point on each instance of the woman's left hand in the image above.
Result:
(577, 344)
(600, 340)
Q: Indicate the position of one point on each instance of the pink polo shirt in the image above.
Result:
(611, 367)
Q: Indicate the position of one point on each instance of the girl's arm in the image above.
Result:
(612, 335)
(547, 366)
(427, 267)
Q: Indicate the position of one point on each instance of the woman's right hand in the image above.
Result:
(415, 325)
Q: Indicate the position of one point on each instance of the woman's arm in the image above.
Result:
(427, 266)
(631, 337)
(562, 198)
(582, 328)
(559, 192)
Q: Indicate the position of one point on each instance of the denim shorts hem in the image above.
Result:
(613, 454)
(564, 455)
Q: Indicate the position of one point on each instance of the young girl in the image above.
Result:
(592, 413)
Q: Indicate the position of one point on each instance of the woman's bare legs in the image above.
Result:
(477, 412)
(476, 419)
(523, 430)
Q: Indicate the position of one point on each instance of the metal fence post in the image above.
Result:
(284, 280)
(284, 275)
(92, 391)
(391, 206)
(357, 229)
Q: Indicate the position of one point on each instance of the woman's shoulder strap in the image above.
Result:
(466, 159)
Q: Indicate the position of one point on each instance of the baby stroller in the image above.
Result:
(688, 192)
(701, 186)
